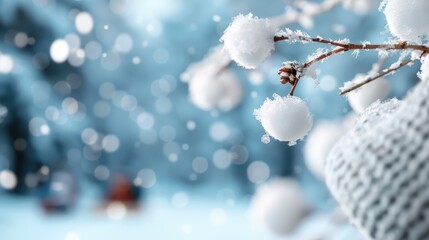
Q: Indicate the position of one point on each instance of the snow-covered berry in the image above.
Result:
(279, 206)
(286, 119)
(211, 84)
(321, 140)
(249, 40)
(364, 96)
(222, 91)
(408, 20)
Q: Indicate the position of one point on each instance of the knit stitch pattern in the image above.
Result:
(379, 171)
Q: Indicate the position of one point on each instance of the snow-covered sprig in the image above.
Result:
(246, 31)
(250, 40)
(343, 46)
(354, 85)
(293, 36)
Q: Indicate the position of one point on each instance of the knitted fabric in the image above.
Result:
(379, 171)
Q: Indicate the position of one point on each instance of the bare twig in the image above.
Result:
(403, 45)
(382, 74)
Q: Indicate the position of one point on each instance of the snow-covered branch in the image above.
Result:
(291, 74)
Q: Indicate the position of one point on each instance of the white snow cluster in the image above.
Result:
(286, 119)
(215, 60)
(408, 20)
(321, 140)
(279, 206)
(211, 84)
(249, 40)
(222, 91)
(362, 97)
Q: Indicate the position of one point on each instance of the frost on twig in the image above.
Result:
(356, 84)
(293, 14)
(342, 46)
(293, 36)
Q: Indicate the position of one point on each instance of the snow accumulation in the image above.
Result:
(249, 40)
(286, 119)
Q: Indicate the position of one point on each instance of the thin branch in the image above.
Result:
(341, 48)
(309, 63)
(353, 46)
(325, 55)
(292, 90)
(382, 74)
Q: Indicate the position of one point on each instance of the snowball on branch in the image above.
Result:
(279, 206)
(249, 40)
(321, 139)
(222, 91)
(211, 84)
(286, 119)
(215, 60)
(408, 20)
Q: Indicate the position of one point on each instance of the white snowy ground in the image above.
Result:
(21, 218)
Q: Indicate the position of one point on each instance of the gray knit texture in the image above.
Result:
(379, 171)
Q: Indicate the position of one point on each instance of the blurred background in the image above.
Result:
(99, 138)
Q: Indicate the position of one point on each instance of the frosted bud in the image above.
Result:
(291, 72)
(249, 40)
